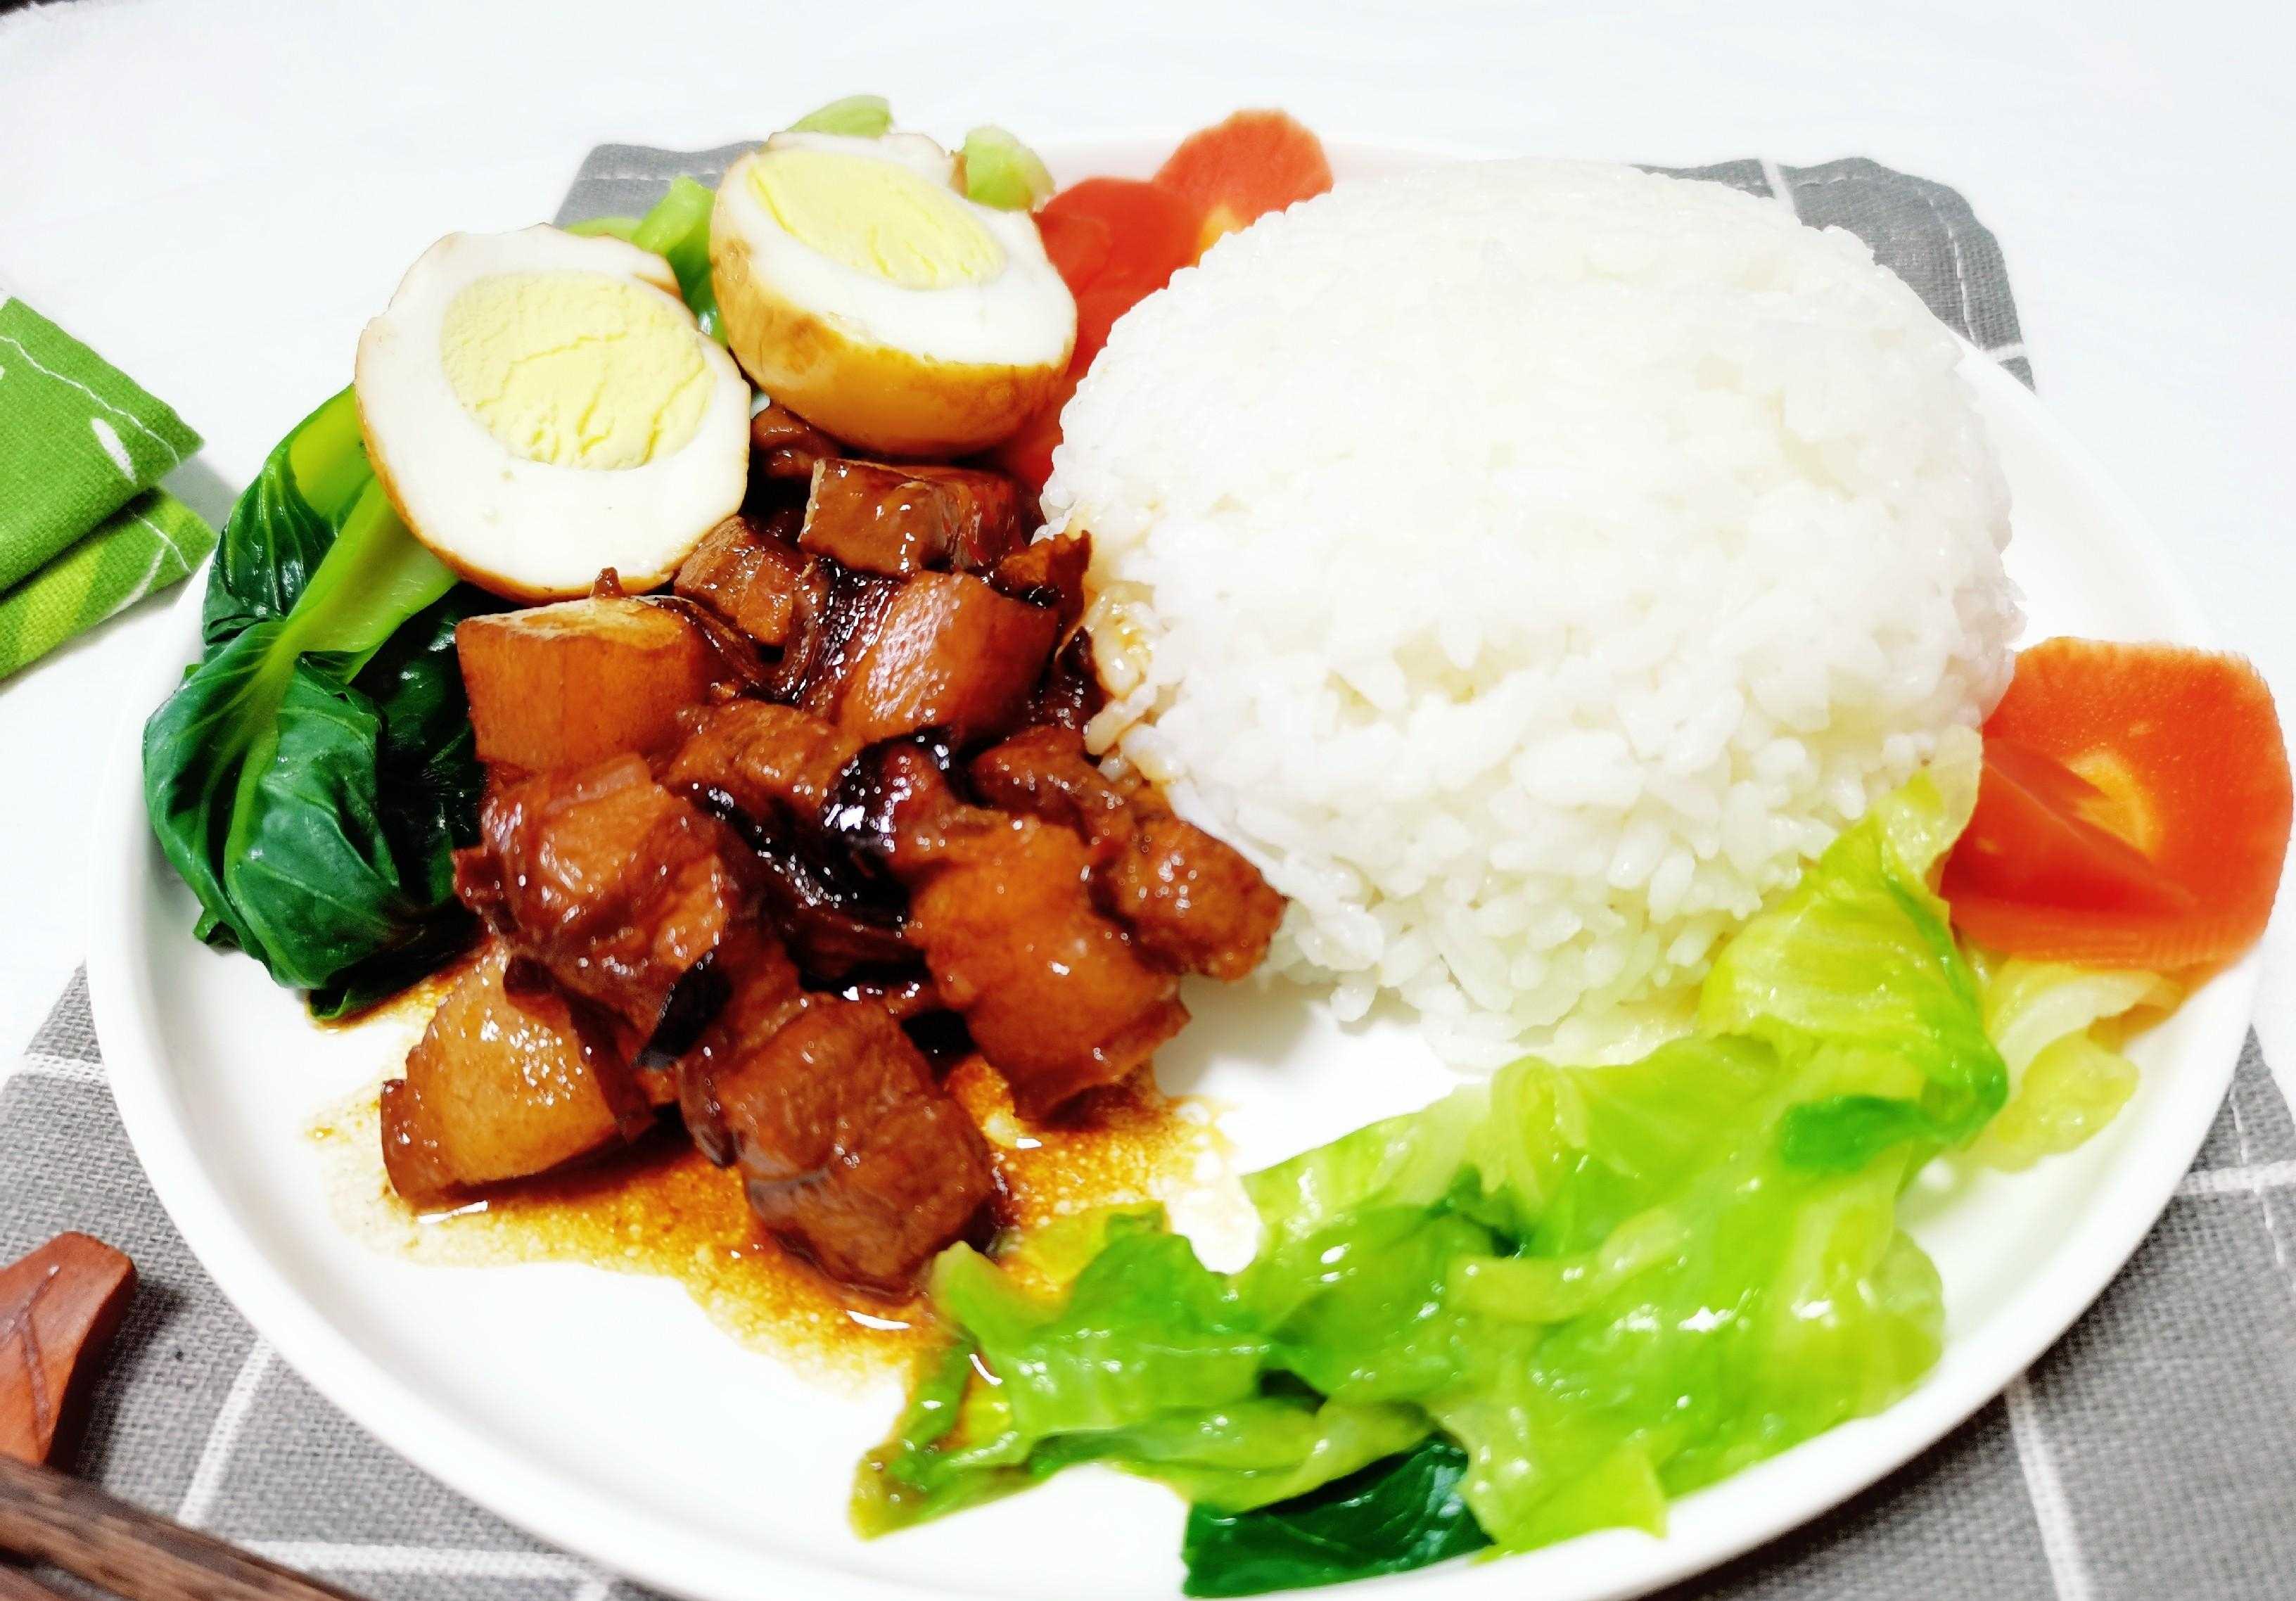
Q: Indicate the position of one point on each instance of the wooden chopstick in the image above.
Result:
(17, 1585)
(54, 1517)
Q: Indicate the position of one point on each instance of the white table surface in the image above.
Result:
(217, 195)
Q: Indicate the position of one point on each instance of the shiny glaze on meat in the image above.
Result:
(660, 1208)
(614, 885)
(1056, 996)
(951, 653)
(1192, 901)
(874, 845)
(848, 1148)
(903, 521)
(748, 574)
(768, 771)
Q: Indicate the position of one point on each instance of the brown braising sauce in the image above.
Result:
(659, 1208)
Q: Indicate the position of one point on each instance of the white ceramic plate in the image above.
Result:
(607, 1416)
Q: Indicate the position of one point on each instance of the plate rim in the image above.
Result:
(568, 1513)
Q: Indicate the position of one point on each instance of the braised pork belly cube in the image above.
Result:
(1048, 573)
(902, 521)
(1193, 902)
(569, 685)
(784, 447)
(1043, 772)
(757, 991)
(762, 757)
(837, 615)
(948, 652)
(768, 771)
(745, 573)
(848, 1149)
(502, 1088)
(1057, 997)
(613, 884)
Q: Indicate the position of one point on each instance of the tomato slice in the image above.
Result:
(1237, 171)
(2134, 810)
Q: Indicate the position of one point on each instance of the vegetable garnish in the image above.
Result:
(1604, 1286)
(1001, 171)
(2134, 813)
(857, 116)
(312, 774)
(2058, 1031)
(1237, 171)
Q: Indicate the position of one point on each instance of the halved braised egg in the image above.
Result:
(540, 406)
(862, 289)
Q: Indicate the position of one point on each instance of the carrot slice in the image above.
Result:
(1077, 242)
(1114, 242)
(1237, 171)
(1028, 454)
(1151, 231)
(2134, 811)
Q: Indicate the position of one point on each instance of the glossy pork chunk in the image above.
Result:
(768, 771)
(1058, 998)
(614, 885)
(846, 1145)
(825, 824)
(1192, 901)
(902, 521)
(748, 576)
(502, 1088)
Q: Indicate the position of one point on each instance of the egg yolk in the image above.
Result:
(574, 369)
(876, 216)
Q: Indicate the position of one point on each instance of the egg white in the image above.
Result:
(528, 530)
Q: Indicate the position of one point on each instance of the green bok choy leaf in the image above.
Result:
(312, 776)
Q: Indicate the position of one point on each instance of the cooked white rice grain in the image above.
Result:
(1531, 565)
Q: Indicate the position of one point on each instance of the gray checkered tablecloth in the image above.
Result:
(2151, 1456)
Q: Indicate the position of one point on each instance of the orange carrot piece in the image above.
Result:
(1237, 171)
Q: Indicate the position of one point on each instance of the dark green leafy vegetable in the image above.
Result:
(1404, 1512)
(313, 773)
(1603, 1287)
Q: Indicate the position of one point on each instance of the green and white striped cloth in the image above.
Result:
(84, 528)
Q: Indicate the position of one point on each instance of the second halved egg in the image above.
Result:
(860, 288)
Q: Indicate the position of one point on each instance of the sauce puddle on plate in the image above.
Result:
(659, 1208)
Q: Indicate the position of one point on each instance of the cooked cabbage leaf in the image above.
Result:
(1605, 1286)
(1854, 975)
(2055, 1026)
(1401, 1513)
(1550, 1302)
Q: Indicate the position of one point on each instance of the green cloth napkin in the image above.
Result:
(83, 530)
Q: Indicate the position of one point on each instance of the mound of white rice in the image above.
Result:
(1531, 565)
